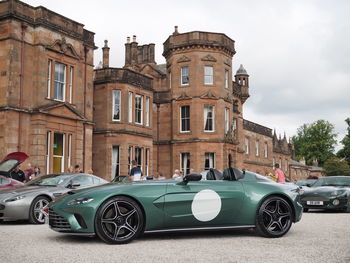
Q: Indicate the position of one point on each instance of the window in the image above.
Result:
(265, 150)
(69, 157)
(129, 158)
(227, 120)
(49, 67)
(185, 119)
(286, 165)
(48, 151)
(184, 76)
(208, 75)
(138, 109)
(147, 111)
(246, 145)
(138, 157)
(147, 162)
(82, 180)
(169, 80)
(226, 79)
(257, 148)
(209, 118)
(116, 105)
(209, 161)
(185, 163)
(115, 162)
(273, 163)
(71, 71)
(130, 106)
(58, 153)
(60, 81)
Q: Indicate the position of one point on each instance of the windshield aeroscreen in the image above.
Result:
(332, 181)
(49, 180)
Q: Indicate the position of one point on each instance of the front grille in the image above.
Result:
(2, 207)
(58, 221)
(314, 198)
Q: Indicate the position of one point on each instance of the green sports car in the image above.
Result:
(119, 212)
(330, 193)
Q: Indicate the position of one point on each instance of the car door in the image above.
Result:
(202, 203)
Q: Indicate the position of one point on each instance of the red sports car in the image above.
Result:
(6, 183)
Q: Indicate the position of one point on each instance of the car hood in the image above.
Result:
(27, 190)
(321, 190)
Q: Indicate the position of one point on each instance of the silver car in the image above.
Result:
(30, 201)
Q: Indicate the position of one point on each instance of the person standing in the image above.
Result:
(279, 174)
(28, 173)
(18, 174)
(136, 173)
(37, 172)
(77, 169)
(177, 175)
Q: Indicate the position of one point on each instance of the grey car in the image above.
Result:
(29, 202)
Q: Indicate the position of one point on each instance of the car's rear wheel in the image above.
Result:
(274, 217)
(37, 212)
(119, 220)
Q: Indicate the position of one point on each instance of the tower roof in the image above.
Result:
(241, 71)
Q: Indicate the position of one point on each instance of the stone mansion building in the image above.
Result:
(186, 113)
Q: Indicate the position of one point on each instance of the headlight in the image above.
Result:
(80, 200)
(15, 198)
(337, 192)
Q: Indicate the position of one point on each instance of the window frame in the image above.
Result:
(205, 75)
(246, 145)
(182, 76)
(139, 110)
(186, 119)
(226, 78)
(64, 83)
(206, 118)
(114, 104)
(130, 111)
(147, 110)
(115, 165)
(209, 155)
(182, 162)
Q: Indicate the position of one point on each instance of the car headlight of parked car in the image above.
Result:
(80, 200)
(15, 198)
(337, 192)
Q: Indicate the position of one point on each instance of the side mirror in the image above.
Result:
(75, 185)
(192, 177)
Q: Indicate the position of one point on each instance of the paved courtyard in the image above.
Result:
(319, 237)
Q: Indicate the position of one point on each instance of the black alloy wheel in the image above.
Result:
(274, 217)
(119, 220)
(37, 212)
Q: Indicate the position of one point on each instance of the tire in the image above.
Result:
(119, 220)
(274, 217)
(305, 209)
(36, 213)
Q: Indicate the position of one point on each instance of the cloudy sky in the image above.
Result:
(297, 53)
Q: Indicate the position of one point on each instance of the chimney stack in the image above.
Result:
(176, 32)
(134, 38)
(105, 51)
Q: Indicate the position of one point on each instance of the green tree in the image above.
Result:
(345, 151)
(315, 141)
(336, 166)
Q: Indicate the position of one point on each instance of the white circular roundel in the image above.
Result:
(206, 205)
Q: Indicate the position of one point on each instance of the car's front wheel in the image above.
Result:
(274, 217)
(119, 220)
(37, 212)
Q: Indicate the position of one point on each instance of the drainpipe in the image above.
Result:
(158, 106)
(84, 105)
(21, 81)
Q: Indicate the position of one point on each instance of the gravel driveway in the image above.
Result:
(319, 237)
